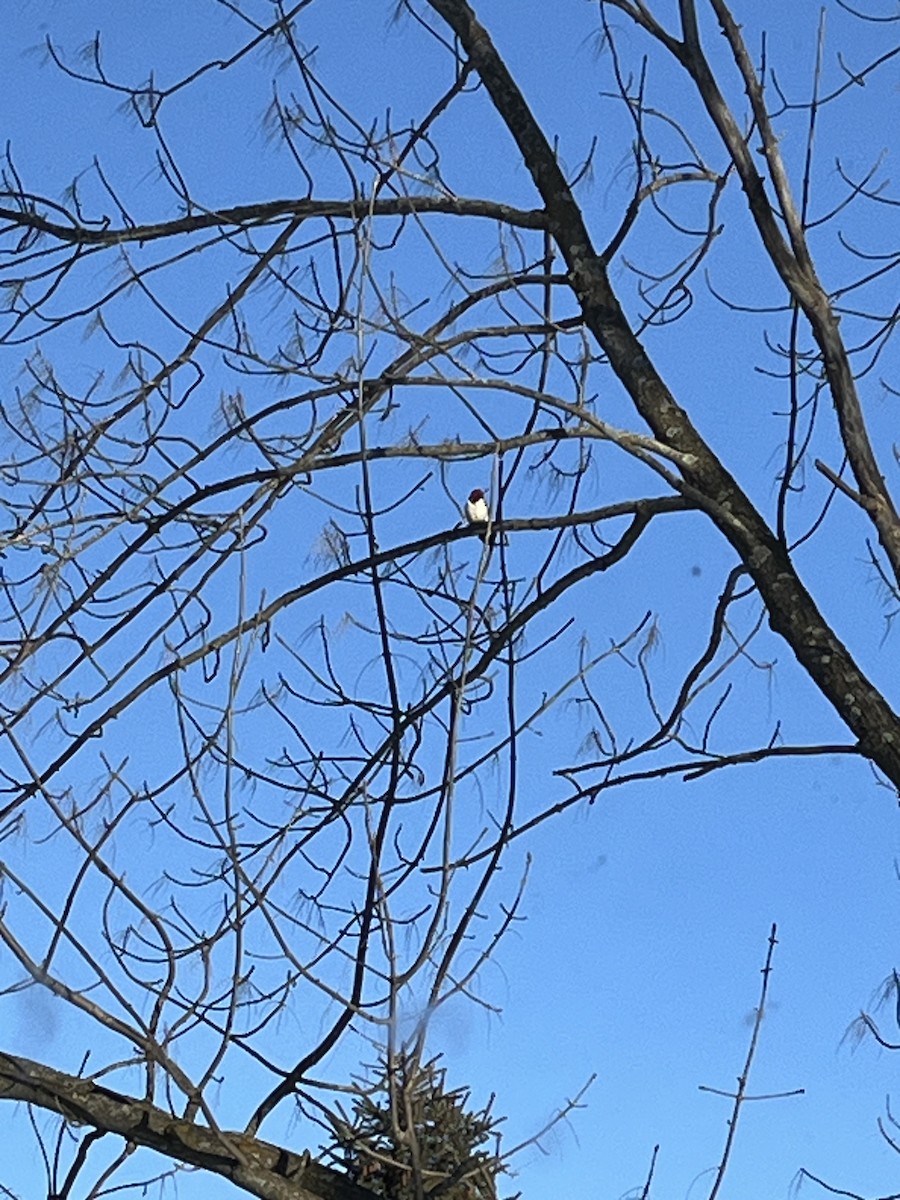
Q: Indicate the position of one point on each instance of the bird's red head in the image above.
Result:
(476, 495)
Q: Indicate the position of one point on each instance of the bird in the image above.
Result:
(476, 510)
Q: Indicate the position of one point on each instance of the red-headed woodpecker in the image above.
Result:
(476, 508)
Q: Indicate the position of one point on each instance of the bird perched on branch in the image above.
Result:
(476, 510)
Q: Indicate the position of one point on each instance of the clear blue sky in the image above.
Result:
(648, 912)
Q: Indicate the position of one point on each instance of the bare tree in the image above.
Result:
(268, 701)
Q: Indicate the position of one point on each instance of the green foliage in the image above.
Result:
(409, 1137)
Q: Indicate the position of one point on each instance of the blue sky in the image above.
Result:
(648, 911)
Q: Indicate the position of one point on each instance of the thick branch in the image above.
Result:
(251, 215)
(257, 1167)
(792, 261)
(792, 611)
